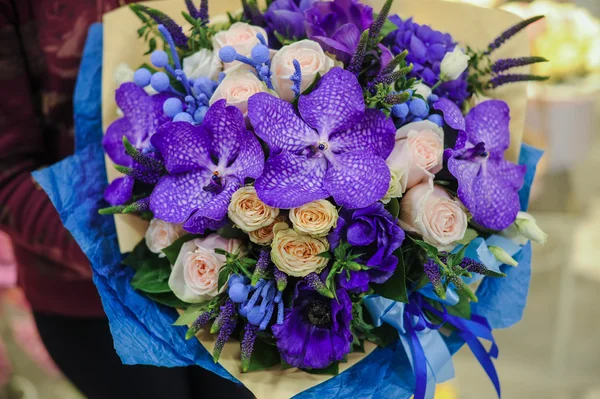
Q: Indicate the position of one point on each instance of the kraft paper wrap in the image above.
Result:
(469, 25)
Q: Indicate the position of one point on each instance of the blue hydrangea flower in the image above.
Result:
(334, 147)
(488, 185)
(206, 164)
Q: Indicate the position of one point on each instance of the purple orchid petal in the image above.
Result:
(489, 189)
(225, 125)
(349, 36)
(375, 131)
(183, 146)
(213, 212)
(250, 161)
(339, 50)
(113, 141)
(175, 197)
(336, 104)
(292, 180)
(275, 121)
(199, 225)
(488, 122)
(452, 114)
(119, 191)
(357, 179)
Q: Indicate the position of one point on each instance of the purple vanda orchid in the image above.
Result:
(142, 115)
(206, 164)
(488, 185)
(335, 147)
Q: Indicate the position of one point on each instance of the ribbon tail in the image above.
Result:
(484, 359)
(416, 356)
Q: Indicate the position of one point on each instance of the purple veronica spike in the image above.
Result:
(335, 147)
(206, 164)
(488, 185)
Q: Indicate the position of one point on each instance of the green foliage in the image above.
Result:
(332, 369)
(264, 356)
(234, 264)
(191, 314)
(344, 261)
(168, 299)
(393, 207)
(362, 328)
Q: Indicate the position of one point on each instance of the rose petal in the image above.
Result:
(175, 197)
(488, 122)
(358, 179)
(335, 105)
(375, 131)
(452, 114)
(291, 180)
(184, 147)
(276, 122)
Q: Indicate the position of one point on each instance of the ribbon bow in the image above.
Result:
(427, 352)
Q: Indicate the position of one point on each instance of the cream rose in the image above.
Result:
(264, 235)
(315, 218)
(203, 63)
(417, 154)
(430, 211)
(161, 234)
(296, 254)
(237, 88)
(454, 64)
(195, 275)
(241, 36)
(248, 212)
(312, 61)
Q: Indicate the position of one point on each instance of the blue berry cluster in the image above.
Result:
(259, 307)
(189, 106)
(416, 109)
(259, 59)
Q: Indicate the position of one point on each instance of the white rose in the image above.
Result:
(203, 63)
(417, 154)
(423, 90)
(316, 218)
(454, 64)
(241, 36)
(248, 212)
(430, 211)
(237, 88)
(296, 254)
(161, 234)
(312, 60)
(395, 190)
(195, 275)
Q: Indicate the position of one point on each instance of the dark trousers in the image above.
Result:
(83, 350)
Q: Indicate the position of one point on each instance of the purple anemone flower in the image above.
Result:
(315, 330)
(337, 26)
(286, 17)
(206, 164)
(142, 115)
(488, 184)
(374, 232)
(335, 147)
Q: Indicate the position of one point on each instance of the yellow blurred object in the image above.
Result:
(446, 391)
(480, 3)
(569, 37)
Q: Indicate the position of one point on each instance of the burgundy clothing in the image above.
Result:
(40, 50)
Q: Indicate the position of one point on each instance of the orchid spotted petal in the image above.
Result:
(488, 123)
(351, 181)
(291, 180)
(214, 211)
(225, 127)
(452, 114)
(119, 190)
(184, 147)
(344, 157)
(335, 105)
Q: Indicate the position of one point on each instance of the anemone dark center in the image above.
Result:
(319, 313)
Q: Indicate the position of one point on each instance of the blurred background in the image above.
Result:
(554, 352)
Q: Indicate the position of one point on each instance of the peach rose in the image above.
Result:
(430, 211)
(264, 235)
(195, 275)
(248, 212)
(417, 155)
(241, 36)
(296, 254)
(315, 218)
(237, 87)
(312, 61)
(161, 234)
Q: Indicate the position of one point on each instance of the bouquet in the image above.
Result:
(329, 195)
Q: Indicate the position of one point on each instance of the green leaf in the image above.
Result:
(230, 231)
(168, 299)
(264, 356)
(141, 30)
(393, 207)
(172, 251)
(191, 314)
(470, 235)
(153, 279)
(332, 369)
(326, 255)
(430, 249)
(388, 27)
(189, 18)
(151, 46)
(456, 258)
(223, 277)
(395, 287)
(139, 256)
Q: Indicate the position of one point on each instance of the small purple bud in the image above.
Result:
(238, 292)
(159, 59)
(227, 54)
(400, 110)
(172, 106)
(437, 119)
(419, 108)
(160, 81)
(200, 114)
(183, 117)
(142, 77)
(255, 316)
(260, 53)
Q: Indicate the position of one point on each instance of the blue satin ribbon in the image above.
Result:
(427, 352)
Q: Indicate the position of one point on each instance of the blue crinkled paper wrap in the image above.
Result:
(142, 329)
